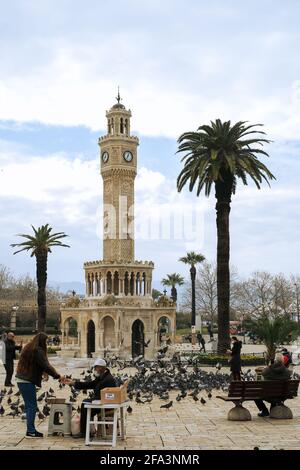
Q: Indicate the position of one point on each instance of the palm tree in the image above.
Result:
(273, 332)
(192, 259)
(172, 280)
(40, 244)
(219, 154)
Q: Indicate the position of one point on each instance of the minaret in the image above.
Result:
(118, 160)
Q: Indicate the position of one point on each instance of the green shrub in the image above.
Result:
(213, 359)
(52, 350)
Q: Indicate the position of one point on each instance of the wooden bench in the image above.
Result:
(269, 390)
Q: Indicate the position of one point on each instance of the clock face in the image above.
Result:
(105, 157)
(127, 156)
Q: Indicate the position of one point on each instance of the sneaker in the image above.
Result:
(30, 435)
(262, 414)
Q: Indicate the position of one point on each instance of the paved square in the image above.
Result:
(187, 425)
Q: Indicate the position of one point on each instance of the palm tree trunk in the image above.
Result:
(271, 351)
(41, 276)
(223, 195)
(174, 294)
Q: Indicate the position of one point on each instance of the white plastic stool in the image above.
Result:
(57, 409)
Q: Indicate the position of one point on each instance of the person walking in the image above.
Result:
(210, 332)
(235, 361)
(201, 341)
(10, 356)
(32, 365)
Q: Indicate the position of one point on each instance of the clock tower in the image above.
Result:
(118, 162)
(118, 313)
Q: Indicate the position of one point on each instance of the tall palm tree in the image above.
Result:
(273, 332)
(192, 259)
(40, 244)
(219, 154)
(173, 280)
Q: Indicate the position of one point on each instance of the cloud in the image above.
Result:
(209, 61)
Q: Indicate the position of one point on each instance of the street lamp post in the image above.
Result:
(13, 317)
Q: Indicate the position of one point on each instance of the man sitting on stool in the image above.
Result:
(103, 379)
(276, 371)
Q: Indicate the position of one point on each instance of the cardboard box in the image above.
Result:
(114, 395)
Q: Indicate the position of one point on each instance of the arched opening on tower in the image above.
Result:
(126, 127)
(90, 338)
(70, 331)
(98, 288)
(144, 291)
(137, 339)
(126, 283)
(112, 128)
(116, 283)
(121, 126)
(108, 326)
(109, 283)
(164, 328)
(132, 284)
(138, 284)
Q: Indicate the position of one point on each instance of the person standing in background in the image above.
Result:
(235, 361)
(10, 356)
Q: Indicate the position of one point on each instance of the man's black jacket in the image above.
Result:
(105, 380)
(10, 350)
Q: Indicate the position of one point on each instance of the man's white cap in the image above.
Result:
(99, 362)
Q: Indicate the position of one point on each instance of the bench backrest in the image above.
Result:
(264, 389)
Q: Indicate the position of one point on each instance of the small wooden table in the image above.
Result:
(118, 409)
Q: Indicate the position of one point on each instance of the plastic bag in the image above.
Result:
(75, 424)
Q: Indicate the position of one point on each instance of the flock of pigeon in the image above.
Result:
(146, 380)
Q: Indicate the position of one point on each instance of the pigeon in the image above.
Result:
(2, 410)
(195, 398)
(138, 400)
(9, 401)
(147, 343)
(167, 405)
(42, 396)
(202, 401)
(46, 410)
(10, 391)
(40, 415)
(129, 410)
(209, 395)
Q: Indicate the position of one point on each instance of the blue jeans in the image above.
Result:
(28, 392)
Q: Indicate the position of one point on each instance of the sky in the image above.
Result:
(179, 64)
